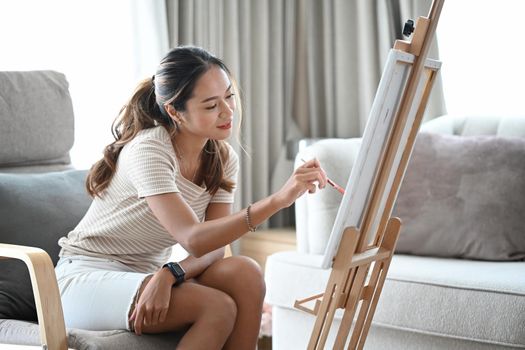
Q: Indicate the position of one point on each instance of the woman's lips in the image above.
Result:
(225, 126)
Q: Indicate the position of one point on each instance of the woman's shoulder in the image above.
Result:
(156, 135)
(233, 157)
(149, 148)
(148, 143)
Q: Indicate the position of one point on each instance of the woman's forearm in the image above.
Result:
(213, 234)
(195, 266)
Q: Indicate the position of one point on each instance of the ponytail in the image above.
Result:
(140, 113)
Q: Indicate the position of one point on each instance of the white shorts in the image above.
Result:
(97, 294)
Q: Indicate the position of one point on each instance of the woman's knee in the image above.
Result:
(245, 274)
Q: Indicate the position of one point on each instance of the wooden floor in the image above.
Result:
(265, 343)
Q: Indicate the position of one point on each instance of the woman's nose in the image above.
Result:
(226, 109)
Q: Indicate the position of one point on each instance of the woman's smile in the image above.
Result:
(225, 126)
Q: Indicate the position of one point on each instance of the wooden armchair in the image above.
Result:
(43, 198)
(47, 297)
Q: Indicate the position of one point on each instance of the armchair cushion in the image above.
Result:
(36, 210)
(463, 197)
(16, 294)
(27, 333)
(36, 114)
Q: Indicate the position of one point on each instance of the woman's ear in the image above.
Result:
(170, 110)
(173, 113)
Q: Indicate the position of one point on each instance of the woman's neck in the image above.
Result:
(187, 148)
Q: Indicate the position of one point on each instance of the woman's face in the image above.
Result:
(209, 112)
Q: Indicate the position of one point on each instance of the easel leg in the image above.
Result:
(373, 290)
(324, 318)
(336, 283)
(349, 289)
(351, 306)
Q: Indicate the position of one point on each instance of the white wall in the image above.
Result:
(96, 43)
(482, 46)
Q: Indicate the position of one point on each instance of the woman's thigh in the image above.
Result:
(96, 294)
(191, 302)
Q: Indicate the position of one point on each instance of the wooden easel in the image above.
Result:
(351, 286)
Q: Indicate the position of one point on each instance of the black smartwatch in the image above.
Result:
(177, 271)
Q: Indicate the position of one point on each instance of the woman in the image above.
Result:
(169, 178)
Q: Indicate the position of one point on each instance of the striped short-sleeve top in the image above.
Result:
(120, 225)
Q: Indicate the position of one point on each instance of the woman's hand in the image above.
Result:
(307, 177)
(153, 303)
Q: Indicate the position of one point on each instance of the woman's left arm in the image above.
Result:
(152, 306)
(195, 266)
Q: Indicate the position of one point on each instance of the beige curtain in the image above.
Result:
(307, 68)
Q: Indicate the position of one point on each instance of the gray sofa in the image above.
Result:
(457, 280)
(42, 197)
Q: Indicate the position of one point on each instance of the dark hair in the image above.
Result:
(173, 84)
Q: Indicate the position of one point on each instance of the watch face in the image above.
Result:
(180, 271)
(177, 271)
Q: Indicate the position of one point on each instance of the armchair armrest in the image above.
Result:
(315, 213)
(45, 289)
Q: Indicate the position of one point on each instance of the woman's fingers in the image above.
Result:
(158, 316)
(312, 175)
(139, 319)
(147, 317)
(150, 317)
(313, 166)
(162, 315)
(312, 163)
(307, 177)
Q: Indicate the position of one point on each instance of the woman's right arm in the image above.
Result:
(201, 238)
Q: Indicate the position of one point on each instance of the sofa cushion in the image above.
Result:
(473, 125)
(478, 300)
(463, 196)
(35, 107)
(36, 210)
(27, 333)
(16, 293)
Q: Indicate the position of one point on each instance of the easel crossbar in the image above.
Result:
(364, 259)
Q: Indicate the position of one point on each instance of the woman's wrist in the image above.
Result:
(276, 203)
(262, 210)
(165, 275)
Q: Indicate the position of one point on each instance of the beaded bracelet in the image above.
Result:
(249, 220)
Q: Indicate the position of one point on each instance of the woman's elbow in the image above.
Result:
(194, 245)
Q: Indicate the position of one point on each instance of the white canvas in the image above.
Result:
(375, 137)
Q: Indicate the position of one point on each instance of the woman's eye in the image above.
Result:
(211, 107)
(230, 96)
